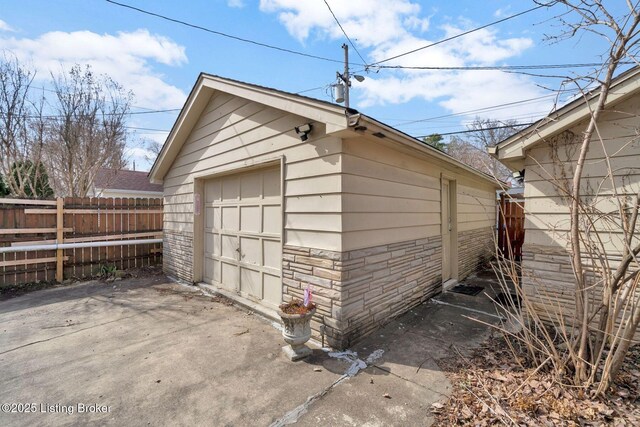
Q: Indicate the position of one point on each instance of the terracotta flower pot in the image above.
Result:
(296, 332)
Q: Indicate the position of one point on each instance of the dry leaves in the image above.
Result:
(492, 389)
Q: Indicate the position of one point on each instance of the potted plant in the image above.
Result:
(296, 318)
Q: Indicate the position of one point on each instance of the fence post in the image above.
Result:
(59, 237)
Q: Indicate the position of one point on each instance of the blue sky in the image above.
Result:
(160, 60)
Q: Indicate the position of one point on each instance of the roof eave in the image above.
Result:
(332, 116)
(514, 148)
(409, 141)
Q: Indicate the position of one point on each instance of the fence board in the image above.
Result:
(511, 225)
(84, 220)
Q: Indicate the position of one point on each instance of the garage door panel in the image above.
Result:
(229, 276)
(212, 192)
(230, 218)
(272, 289)
(208, 243)
(230, 188)
(216, 244)
(229, 246)
(272, 219)
(271, 253)
(208, 269)
(212, 269)
(250, 186)
(250, 249)
(217, 218)
(208, 217)
(251, 282)
(271, 183)
(250, 219)
(216, 266)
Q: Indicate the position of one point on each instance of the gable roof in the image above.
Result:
(335, 117)
(512, 150)
(120, 179)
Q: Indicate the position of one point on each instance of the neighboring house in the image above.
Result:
(546, 153)
(124, 183)
(267, 192)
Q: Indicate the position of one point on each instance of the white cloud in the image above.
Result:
(128, 57)
(502, 12)
(5, 27)
(385, 28)
(235, 3)
(371, 22)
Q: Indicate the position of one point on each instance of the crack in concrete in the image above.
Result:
(357, 365)
(295, 414)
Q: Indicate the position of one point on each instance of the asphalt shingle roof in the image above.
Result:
(114, 179)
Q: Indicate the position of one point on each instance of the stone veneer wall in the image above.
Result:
(548, 281)
(475, 248)
(177, 250)
(358, 291)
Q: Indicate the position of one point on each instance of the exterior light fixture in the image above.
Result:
(303, 131)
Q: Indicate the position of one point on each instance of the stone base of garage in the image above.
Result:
(177, 250)
(475, 249)
(358, 291)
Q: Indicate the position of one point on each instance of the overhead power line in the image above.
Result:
(499, 67)
(220, 33)
(147, 109)
(345, 33)
(478, 130)
(458, 35)
(479, 110)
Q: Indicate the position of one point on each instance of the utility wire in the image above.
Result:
(131, 113)
(345, 33)
(147, 109)
(220, 33)
(458, 35)
(478, 130)
(148, 129)
(499, 67)
(478, 110)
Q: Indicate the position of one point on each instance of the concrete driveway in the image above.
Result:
(148, 351)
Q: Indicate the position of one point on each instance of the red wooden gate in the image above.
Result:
(511, 225)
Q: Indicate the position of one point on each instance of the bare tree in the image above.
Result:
(153, 149)
(473, 149)
(22, 129)
(589, 347)
(88, 130)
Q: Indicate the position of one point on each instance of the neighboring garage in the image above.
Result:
(267, 192)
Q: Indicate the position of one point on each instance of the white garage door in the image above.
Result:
(242, 249)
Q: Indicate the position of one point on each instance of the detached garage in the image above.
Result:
(268, 192)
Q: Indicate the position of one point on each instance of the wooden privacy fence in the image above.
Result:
(511, 225)
(74, 221)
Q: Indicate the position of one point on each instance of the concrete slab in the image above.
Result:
(157, 353)
(399, 388)
(154, 352)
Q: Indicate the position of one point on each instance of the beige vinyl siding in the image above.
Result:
(392, 195)
(476, 207)
(234, 133)
(548, 274)
(547, 214)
